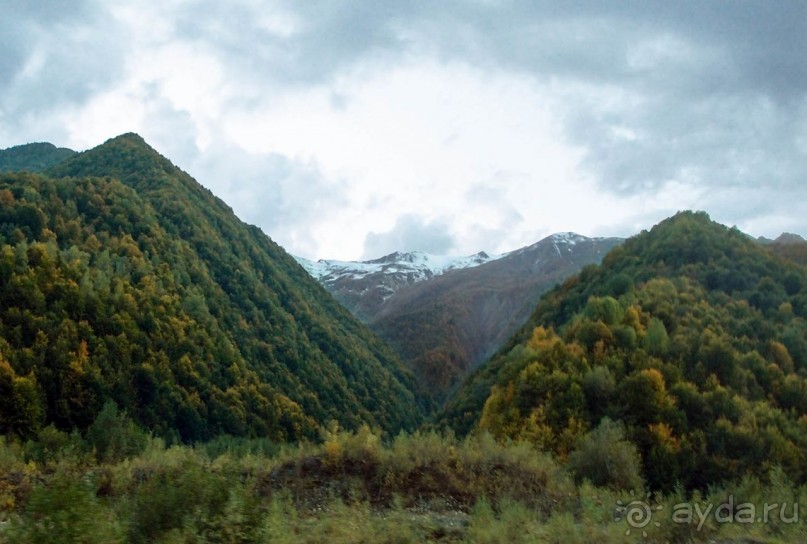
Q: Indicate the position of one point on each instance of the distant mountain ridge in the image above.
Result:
(35, 157)
(789, 246)
(785, 238)
(445, 315)
(424, 265)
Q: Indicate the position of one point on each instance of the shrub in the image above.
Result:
(114, 436)
(605, 458)
(65, 510)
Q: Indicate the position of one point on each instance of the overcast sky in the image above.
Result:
(353, 129)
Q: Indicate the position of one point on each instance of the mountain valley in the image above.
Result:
(445, 316)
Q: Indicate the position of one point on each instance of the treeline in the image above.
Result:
(692, 337)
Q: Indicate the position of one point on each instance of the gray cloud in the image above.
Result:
(328, 36)
(411, 232)
(706, 93)
(53, 55)
(284, 197)
(714, 92)
(710, 94)
(755, 45)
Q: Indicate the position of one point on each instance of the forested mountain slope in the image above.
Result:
(32, 157)
(121, 278)
(691, 335)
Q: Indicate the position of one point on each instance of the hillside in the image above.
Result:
(692, 336)
(443, 328)
(33, 157)
(123, 279)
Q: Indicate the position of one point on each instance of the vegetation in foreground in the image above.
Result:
(116, 484)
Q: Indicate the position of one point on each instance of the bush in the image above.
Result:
(173, 496)
(605, 458)
(114, 436)
(65, 510)
(52, 445)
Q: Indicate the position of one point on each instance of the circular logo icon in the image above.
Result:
(638, 514)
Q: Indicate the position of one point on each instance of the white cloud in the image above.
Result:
(325, 122)
(413, 139)
(411, 231)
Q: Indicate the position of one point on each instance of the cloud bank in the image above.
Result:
(347, 130)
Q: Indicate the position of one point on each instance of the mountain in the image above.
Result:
(33, 157)
(692, 337)
(791, 247)
(364, 286)
(122, 279)
(446, 315)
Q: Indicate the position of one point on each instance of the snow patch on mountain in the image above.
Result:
(418, 265)
(395, 270)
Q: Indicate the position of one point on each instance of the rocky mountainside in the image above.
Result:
(446, 315)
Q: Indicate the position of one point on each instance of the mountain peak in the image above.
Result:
(130, 159)
(130, 141)
(789, 238)
(567, 238)
(413, 265)
(33, 157)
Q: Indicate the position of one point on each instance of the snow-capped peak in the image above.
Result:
(570, 238)
(418, 264)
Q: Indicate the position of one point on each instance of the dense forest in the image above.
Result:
(692, 338)
(33, 157)
(122, 279)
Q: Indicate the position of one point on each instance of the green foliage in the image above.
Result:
(656, 340)
(355, 487)
(599, 386)
(690, 335)
(114, 436)
(605, 458)
(174, 497)
(65, 511)
(32, 157)
(52, 446)
(20, 403)
(123, 280)
(604, 309)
